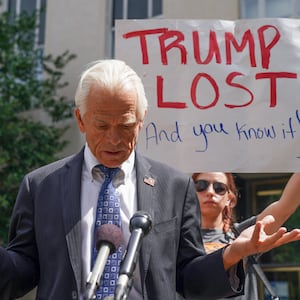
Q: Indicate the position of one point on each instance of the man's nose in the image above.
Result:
(114, 135)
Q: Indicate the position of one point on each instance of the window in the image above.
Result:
(136, 9)
(270, 8)
(285, 281)
(280, 265)
(15, 7)
(131, 9)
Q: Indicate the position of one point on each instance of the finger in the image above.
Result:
(257, 231)
(279, 238)
(288, 237)
(259, 234)
(268, 242)
(267, 220)
(273, 238)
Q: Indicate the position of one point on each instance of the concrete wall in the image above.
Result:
(201, 9)
(80, 27)
(3, 5)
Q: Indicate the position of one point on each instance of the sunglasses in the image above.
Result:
(220, 188)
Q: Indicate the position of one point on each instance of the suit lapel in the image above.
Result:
(146, 194)
(71, 208)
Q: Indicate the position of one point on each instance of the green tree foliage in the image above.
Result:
(28, 83)
(289, 252)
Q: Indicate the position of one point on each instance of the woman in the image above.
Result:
(217, 194)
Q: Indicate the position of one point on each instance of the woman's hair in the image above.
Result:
(228, 215)
(111, 75)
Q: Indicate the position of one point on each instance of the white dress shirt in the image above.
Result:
(91, 182)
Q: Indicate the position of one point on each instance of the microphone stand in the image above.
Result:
(255, 265)
(258, 270)
(93, 280)
(124, 296)
(140, 225)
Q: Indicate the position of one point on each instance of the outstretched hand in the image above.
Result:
(255, 240)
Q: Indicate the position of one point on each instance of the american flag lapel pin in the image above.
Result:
(149, 180)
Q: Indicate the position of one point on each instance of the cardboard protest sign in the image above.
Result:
(223, 95)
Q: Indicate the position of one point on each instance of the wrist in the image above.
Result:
(230, 256)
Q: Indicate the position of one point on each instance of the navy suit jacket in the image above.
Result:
(45, 236)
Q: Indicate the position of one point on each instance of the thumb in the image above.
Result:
(269, 219)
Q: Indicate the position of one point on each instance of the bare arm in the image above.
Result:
(267, 233)
(282, 209)
(255, 240)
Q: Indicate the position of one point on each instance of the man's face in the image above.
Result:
(110, 124)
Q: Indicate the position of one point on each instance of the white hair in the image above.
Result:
(111, 75)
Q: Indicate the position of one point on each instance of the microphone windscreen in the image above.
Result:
(141, 220)
(111, 234)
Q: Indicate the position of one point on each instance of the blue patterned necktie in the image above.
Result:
(108, 212)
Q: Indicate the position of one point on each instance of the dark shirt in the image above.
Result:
(214, 239)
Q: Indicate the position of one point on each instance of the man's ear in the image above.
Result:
(79, 120)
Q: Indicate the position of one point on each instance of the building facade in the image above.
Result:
(86, 28)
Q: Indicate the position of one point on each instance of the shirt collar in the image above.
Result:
(127, 167)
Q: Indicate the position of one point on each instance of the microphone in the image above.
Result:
(140, 225)
(108, 239)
